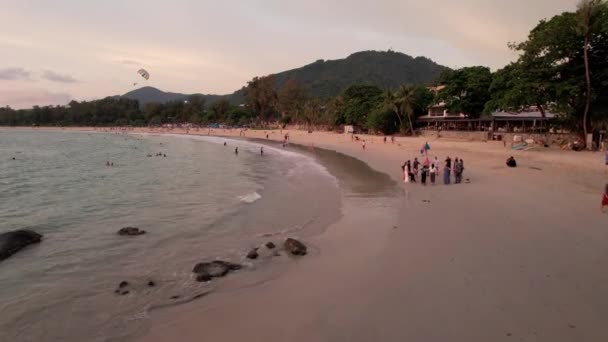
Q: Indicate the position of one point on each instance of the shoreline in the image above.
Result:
(515, 254)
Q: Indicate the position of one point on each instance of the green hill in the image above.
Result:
(385, 69)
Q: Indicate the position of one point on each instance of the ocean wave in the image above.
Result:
(250, 198)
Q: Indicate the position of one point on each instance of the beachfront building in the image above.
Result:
(530, 120)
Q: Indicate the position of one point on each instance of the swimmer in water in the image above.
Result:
(236, 150)
(262, 151)
(164, 155)
(107, 163)
(224, 143)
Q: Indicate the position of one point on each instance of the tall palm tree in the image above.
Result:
(588, 11)
(405, 98)
(391, 101)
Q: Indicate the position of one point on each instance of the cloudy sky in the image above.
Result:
(55, 51)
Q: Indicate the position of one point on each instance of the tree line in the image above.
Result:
(561, 67)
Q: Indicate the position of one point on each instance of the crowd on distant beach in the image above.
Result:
(431, 169)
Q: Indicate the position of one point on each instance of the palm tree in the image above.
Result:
(588, 11)
(405, 99)
(391, 101)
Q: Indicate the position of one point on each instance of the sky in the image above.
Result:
(52, 52)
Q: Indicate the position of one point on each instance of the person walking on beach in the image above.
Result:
(385, 139)
(433, 171)
(363, 145)
(236, 150)
(427, 147)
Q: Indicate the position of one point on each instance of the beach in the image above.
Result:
(515, 254)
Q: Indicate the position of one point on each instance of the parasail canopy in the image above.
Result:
(144, 73)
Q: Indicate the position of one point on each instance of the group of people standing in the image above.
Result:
(431, 169)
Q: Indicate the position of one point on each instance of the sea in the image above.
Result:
(195, 197)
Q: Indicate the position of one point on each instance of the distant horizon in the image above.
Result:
(81, 50)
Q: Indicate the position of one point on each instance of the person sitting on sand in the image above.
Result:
(604, 199)
(511, 162)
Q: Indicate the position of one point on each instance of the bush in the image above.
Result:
(383, 120)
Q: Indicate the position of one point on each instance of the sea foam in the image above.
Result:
(250, 198)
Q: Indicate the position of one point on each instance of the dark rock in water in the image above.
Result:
(124, 293)
(131, 231)
(253, 254)
(175, 297)
(270, 245)
(12, 242)
(123, 284)
(214, 269)
(202, 277)
(151, 283)
(295, 247)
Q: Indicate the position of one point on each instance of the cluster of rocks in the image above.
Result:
(124, 287)
(206, 271)
(13, 241)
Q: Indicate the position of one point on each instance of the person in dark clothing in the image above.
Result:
(423, 172)
(511, 162)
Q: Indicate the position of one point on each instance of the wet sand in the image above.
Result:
(517, 254)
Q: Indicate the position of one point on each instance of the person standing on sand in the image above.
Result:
(405, 169)
(423, 172)
(446, 175)
(363, 145)
(461, 168)
(385, 139)
(416, 166)
(236, 150)
(427, 147)
(410, 172)
(262, 150)
(457, 172)
(433, 171)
